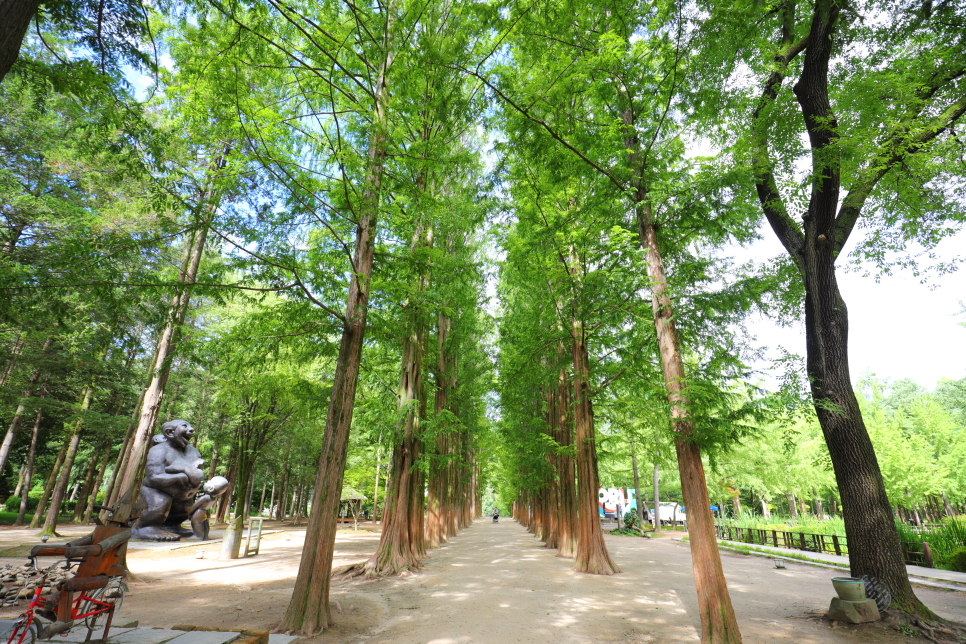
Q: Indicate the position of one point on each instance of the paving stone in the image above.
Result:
(278, 638)
(145, 636)
(79, 633)
(204, 637)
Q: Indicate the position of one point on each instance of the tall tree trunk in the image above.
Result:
(49, 486)
(225, 505)
(566, 469)
(86, 487)
(308, 611)
(282, 489)
(375, 487)
(656, 493)
(718, 621)
(447, 485)
(947, 507)
(592, 555)
(15, 17)
(637, 485)
(167, 342)
(400, 544)
(18, 345)
(28, 478)
(28, 391)
(21, 473)
(92, 499)
(271, 498)
(814, 247)
(50, 525)
(125, 445)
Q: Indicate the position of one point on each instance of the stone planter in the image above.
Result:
(851, 589)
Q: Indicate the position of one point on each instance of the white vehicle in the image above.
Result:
(671, 513)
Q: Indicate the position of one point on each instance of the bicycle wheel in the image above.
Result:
(112, 593)
(19, 632)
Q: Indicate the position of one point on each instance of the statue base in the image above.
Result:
(859, 612)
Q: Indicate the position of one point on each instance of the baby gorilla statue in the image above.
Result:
(172, 476)
(199, 511)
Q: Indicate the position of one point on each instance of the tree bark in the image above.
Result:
(592, 556)
(874, 541)
(718, 621)
(15, 17)
(637, 486)
(92, 499)
(375, 487)
(308, 611)
(656, 493)
(20, 476)
(86, 487)
(167, 342)
(225, 506)
(49, 486)
(400, 544)
(792, 505)
(28, 478)
(11, 434)
(15, 351)
(50, 524)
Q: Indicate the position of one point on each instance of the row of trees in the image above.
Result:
(268, 209)
(297, 208)
(607, 102)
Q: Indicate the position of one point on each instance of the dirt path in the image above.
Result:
(497, 584)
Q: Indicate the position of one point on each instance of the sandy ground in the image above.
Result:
(495, 583)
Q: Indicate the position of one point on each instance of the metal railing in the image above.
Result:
(917, 554)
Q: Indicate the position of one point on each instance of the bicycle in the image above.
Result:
(41, 619)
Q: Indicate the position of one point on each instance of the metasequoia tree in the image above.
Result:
(202, 214)
(635, 81)
(21, 410)
(340, 189)
(878, 92)
(564, 247)
(438, 111)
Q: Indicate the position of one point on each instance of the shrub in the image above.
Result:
(957, 560)
(13, 503)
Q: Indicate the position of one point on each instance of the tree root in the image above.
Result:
(939, 631)
(367, 570)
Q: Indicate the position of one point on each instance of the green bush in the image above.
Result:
(957, 560)
(13, 503)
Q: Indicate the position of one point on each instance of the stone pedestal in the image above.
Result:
(853, 612)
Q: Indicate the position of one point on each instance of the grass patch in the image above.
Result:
(806, 524)
(944, 539)
(750, 550)
(16, 551)
(7, 518)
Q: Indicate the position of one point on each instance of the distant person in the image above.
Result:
(620, 512)
(496, 515)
